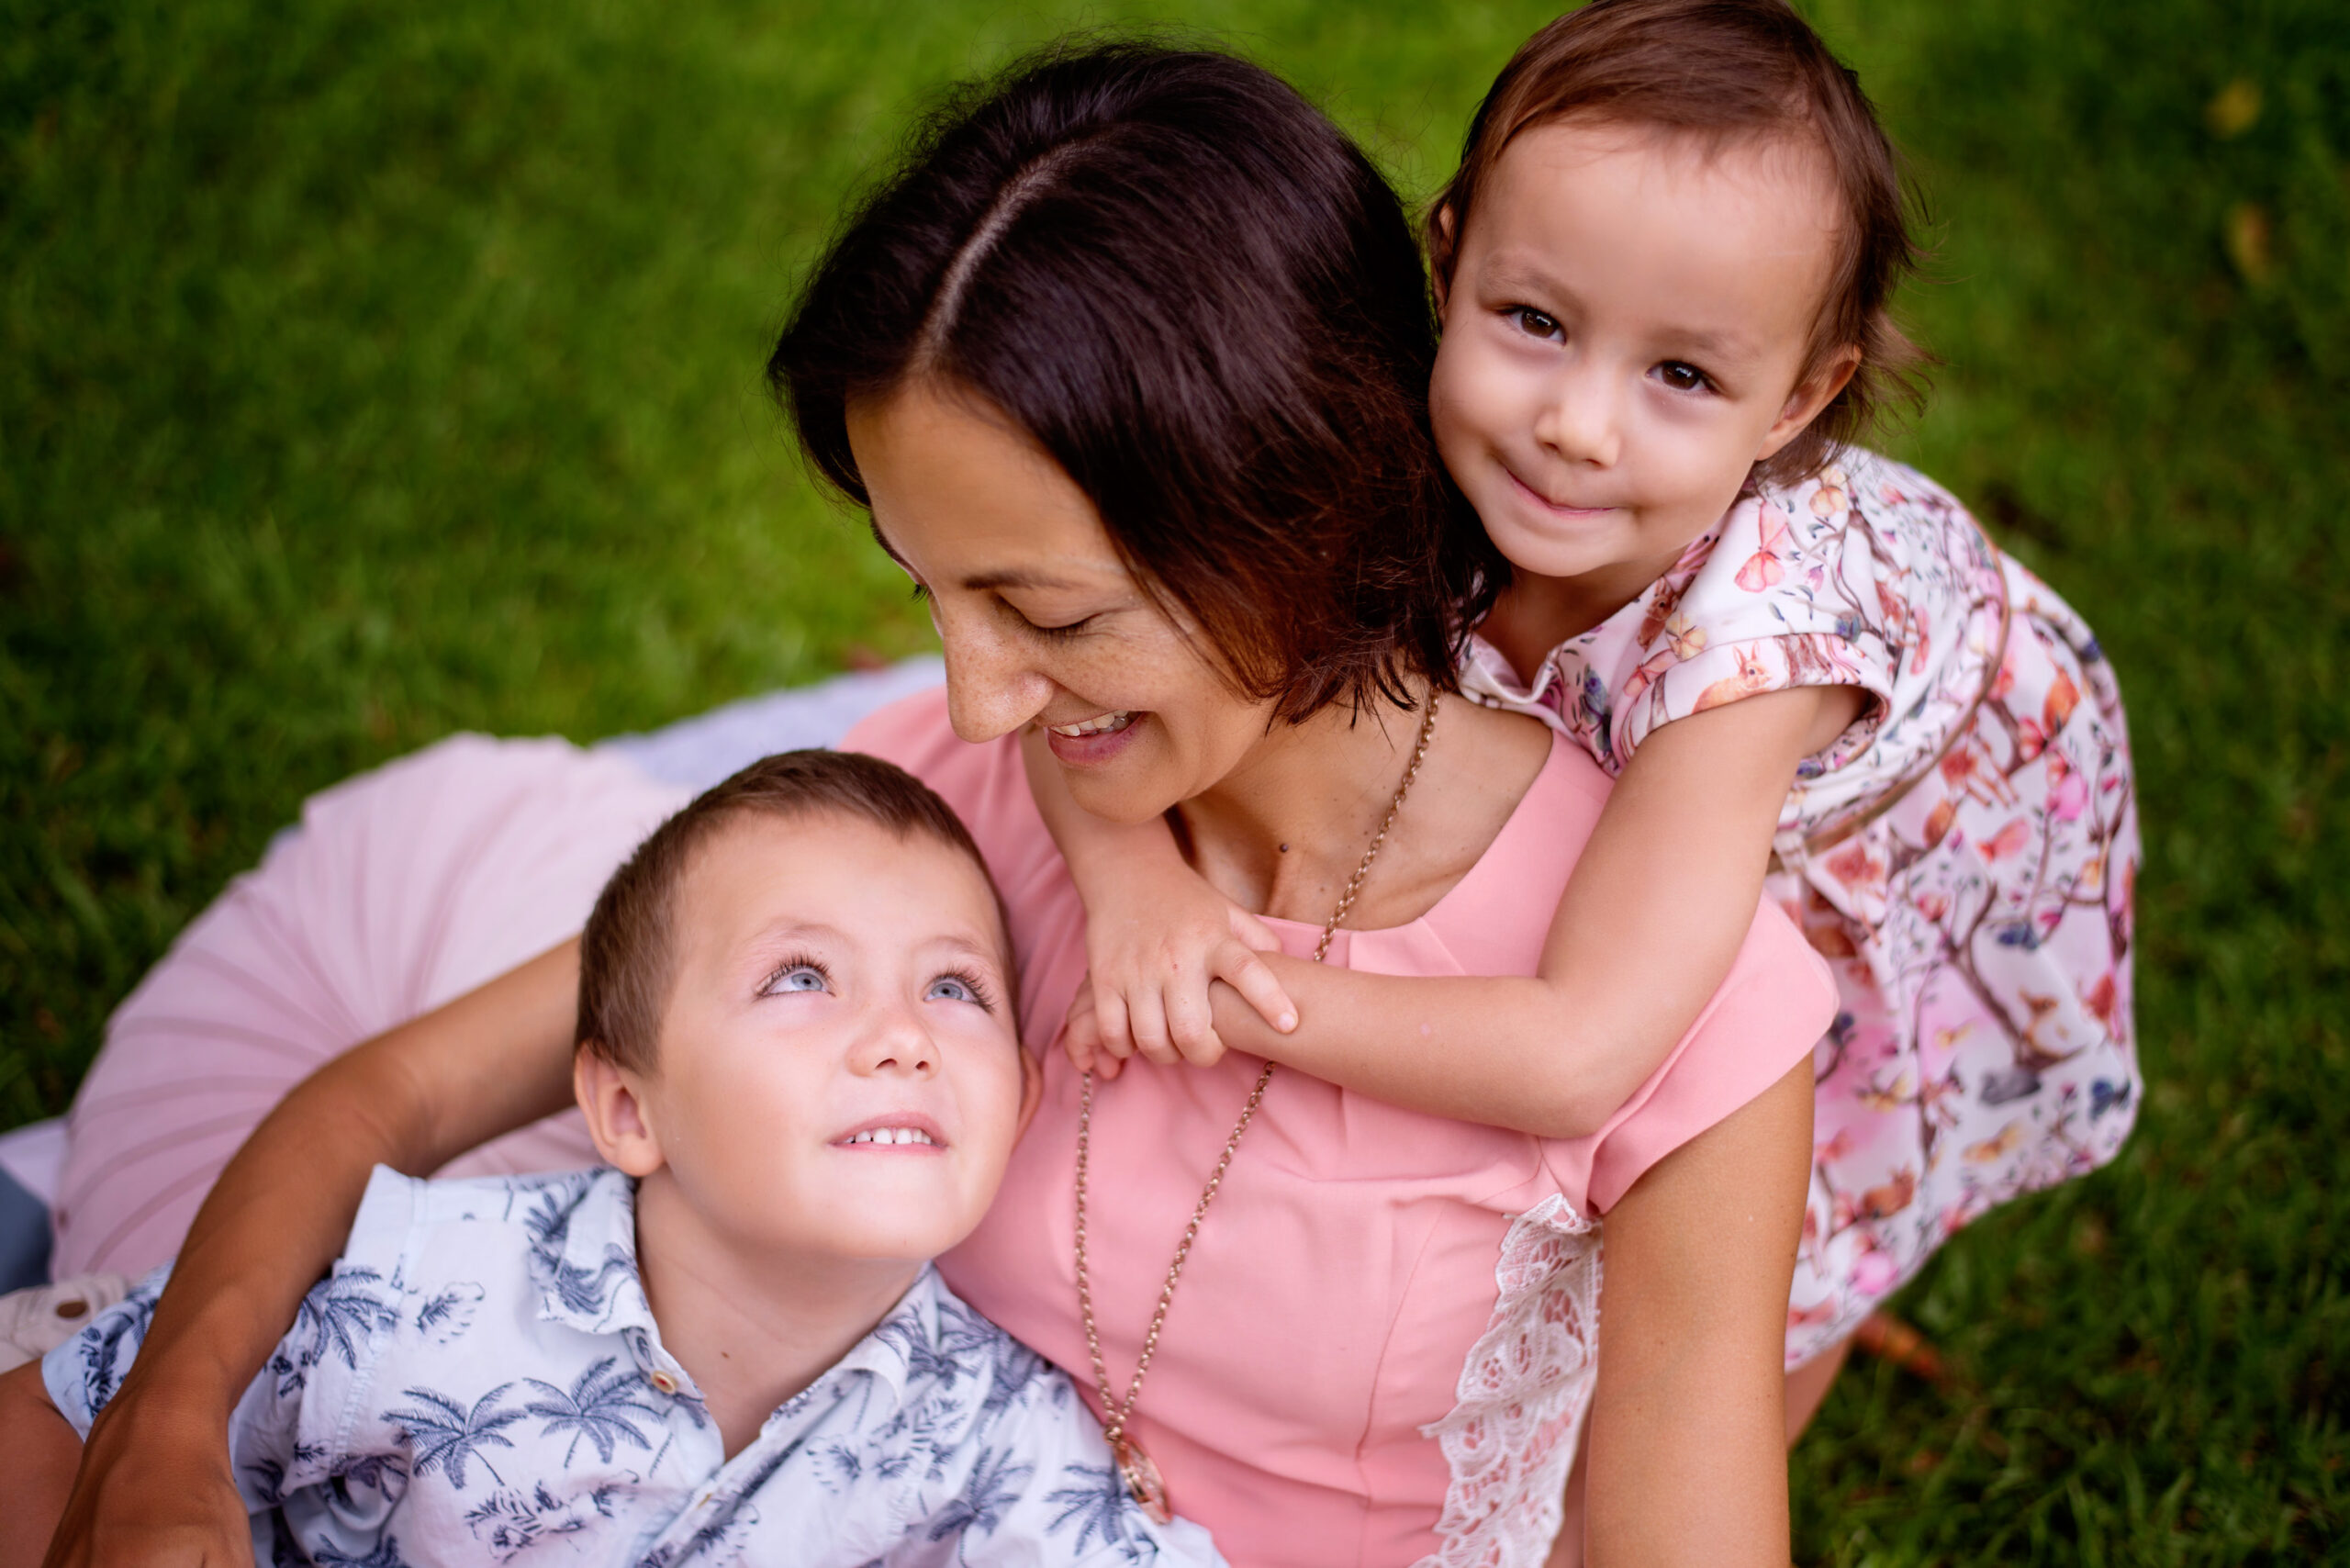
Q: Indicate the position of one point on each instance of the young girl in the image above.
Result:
(1663, 268)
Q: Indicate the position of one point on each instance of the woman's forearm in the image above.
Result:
(154, 1485)
(1688, 1458)
(414, 1099)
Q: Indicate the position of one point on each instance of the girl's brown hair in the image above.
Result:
(1714, 69)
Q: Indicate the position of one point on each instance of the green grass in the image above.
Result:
(369, 370)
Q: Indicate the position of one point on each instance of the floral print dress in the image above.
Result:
(1964, 854)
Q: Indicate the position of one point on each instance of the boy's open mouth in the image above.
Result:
(901, 1131)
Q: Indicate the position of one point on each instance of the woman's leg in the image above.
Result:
(401, 889)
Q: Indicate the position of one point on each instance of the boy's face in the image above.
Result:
(1627, 320)
(839, 1074)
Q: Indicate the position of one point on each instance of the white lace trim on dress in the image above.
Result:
(1523, 1391)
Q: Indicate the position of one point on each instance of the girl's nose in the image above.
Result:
(992, 689)
(1580, 419)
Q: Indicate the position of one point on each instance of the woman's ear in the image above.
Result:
(1812, 394)
(611, 1098)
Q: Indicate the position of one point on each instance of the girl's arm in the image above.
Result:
(1688, 1455)
(1156, 936)
(154, 1485)
(1651, 922)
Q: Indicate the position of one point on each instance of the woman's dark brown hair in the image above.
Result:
(1714, 70)
(1201, 298)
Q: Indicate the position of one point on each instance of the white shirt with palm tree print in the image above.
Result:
(480, 1379)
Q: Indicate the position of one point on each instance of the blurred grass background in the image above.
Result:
(370, 370)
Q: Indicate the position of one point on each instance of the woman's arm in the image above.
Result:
(154, 1485)
(1688, 1454)
(42, 1448)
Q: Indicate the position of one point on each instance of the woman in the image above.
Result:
(1128, 364)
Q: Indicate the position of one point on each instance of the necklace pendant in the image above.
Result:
(1142, 1479)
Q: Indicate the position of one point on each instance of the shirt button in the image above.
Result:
(663, 1381)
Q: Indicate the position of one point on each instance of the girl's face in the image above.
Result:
(1627, 320)
(1042, 623)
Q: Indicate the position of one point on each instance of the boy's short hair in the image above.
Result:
(628, 952)
(1714, 70)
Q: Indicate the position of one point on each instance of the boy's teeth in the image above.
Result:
(892, 1135)
(1101, 725)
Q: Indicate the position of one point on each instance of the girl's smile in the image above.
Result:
(1625, 332)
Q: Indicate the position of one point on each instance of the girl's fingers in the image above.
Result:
(1112, 1028)
(1147, 1017)
(1253, 933)
(1192, 1026)
(1253, 978)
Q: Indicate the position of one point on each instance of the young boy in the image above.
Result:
(797, 1054)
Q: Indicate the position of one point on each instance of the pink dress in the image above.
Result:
(1381, 1350)
(1964, 854)
(1382, 1347)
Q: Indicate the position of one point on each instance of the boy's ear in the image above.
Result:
(1812, 394)
(611, 1100)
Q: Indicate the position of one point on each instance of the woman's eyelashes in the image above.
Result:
(1049, 632)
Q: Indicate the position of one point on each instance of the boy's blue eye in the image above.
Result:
(950, 988)
(798, 977)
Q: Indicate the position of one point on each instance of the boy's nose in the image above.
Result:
(894, 1041)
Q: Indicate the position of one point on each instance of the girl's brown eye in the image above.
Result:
(1533, 323)
(1681, 376)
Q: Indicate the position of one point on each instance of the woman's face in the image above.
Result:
(1042, 623)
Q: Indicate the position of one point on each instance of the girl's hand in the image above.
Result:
(1154, 951)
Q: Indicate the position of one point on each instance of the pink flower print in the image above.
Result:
(1763, 569)
(2031, 739)
(2063, 698)
(1874, 1272)
(2069, 796)
(2008, 840)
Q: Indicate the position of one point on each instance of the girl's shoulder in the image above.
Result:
(1866, 574)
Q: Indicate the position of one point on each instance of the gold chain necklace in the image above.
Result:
(1141, 1476)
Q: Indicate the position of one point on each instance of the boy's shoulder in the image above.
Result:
(941, 1353)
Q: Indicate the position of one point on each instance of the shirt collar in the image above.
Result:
(584, 1254)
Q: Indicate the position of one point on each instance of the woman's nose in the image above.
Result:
(992, 689)
(1580, 420)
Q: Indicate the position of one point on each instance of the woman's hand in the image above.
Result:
(1156, 943)
(155, 1489)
